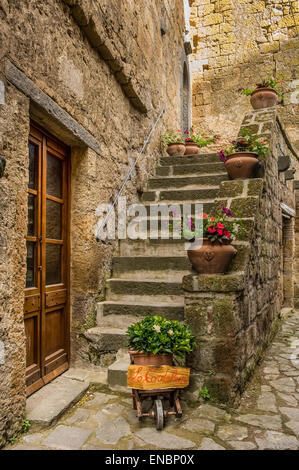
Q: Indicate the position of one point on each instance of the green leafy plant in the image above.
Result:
(157, 335)
(204, 393)
(223, 228)
(25, 425)
(199, 138)
(173, 137)
(267, 82)
(247, 142)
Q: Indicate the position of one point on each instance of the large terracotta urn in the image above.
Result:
(241, 165)
(263, 98)
(212, 258)
(191, 148)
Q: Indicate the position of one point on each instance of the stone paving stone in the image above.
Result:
(232, 432)
(112, 430)
(291, 413)
(113, 409)
(285, 384)
(99, 399)
(199, 425)
(209, 444)
(163, 439)
(267, 402)
(79, 417)
(211, 412)
(294, 426)
(67, 438)
(289, 399)
(262, 421)
(33, 438)
(240, 445)
(273, 440)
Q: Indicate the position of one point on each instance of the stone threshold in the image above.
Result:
(47, 405)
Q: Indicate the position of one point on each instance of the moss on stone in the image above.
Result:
(213, 282)
(255, 187)
(245, 207)
(231, 188)
(240, 261)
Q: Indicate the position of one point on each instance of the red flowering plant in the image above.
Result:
(268, 82)
(173, 137)
(223, 228)
(247, 142)
(199, 138)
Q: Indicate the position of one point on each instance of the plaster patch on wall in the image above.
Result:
(198, 65)
(71, 76)
(2, 92)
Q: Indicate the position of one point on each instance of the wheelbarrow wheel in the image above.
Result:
(159, 415)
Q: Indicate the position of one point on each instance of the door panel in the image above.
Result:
(46, 308)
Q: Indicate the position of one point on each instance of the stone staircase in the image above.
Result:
(147, 274)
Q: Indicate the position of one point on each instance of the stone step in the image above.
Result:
(206, 194)
(190, 182)
(207, 206)
(48, 404)
(107, 339)
(126, 309)
(144, 290)
(190, 159)
(154, 267)
(151, 247)
(117, 373)
(191, 169)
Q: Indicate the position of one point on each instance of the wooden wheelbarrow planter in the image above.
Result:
(158, 413)
(161, 383)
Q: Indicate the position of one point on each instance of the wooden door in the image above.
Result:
(46, 308)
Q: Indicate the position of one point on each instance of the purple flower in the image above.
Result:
(226, 211)
(186, 132)
(240, 89)
(222, 156)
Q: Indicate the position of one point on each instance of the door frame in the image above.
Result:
(65, 263)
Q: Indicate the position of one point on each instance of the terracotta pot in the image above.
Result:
(191, 148)
(263, 98)
(211, 258)
(143, 359)
(176, 149)
(241, 165)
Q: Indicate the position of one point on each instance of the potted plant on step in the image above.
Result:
(175, 142)
(241, 159)
(215, 253)
(266, 93)
(156, 341)
(195, 140)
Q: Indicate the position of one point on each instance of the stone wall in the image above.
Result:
(96, 75)
(236, 42)
(234, 315)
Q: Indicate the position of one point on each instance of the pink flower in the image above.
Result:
(220, 225)
(226, 234)
(211, 229)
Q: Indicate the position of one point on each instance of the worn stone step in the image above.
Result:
(186, 181)
(121, 289)
(190, 159)
(173, 311)
(151, 247)
(48, 404)
(208, 194)
(191, 169)
(151, 209)
(157, 267)
(117, 373)
(107, 339)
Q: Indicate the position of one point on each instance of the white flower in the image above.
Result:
(157, 328)
(170, 332)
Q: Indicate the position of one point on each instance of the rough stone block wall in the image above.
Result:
(109, 67)
(233, 315)
(235, 44)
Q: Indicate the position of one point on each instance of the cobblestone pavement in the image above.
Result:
(267, 417)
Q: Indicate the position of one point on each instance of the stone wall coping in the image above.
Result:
(230, 282)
